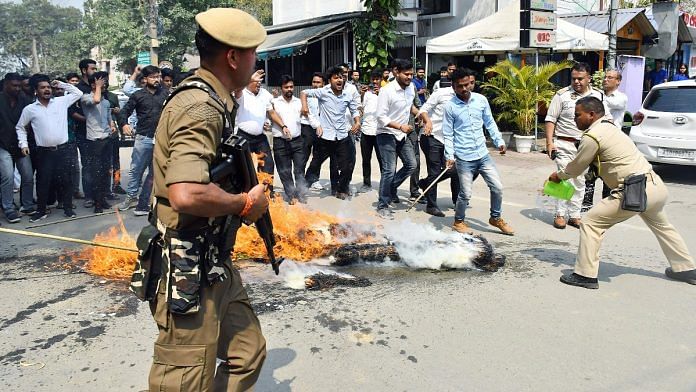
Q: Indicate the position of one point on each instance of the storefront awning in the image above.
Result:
(292, 42)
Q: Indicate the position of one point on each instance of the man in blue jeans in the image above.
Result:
(465, 145)
(147, 103)
(394, 104)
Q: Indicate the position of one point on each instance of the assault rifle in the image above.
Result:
(238, 166)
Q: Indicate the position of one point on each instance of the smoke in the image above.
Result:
(423, 246)
(293, 274)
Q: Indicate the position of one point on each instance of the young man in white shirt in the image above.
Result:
(100, 125)
(433, 147)
(287, 142)
(334, 139)
(394, 104)
(368, 140)
(254, 106)
(48, 117)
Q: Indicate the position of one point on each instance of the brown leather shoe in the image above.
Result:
(559, 222)
(575, 222)
(461, 227)
(502, 225)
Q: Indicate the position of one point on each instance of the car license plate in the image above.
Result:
(674, 153)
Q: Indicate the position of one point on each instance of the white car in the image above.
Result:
(664, 129)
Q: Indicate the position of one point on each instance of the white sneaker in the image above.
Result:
(317, 186)
(138, 212)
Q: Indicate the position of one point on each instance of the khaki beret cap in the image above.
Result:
(233, 27)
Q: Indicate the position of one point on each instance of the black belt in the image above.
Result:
(287, 140)
(54, 148)
(250, 136)
(567, 139)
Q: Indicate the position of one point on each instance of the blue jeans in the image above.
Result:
(7, 165)
(141, 159)
(467, 170)
(389, 149)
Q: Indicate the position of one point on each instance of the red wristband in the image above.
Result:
(247, 205)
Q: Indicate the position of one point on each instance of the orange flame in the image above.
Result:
(107, 262)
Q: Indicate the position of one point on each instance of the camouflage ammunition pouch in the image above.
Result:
(148, 266)
(191, 257)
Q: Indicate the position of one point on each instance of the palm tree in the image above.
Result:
(518, 90)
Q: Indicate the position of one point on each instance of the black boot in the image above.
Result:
(580, 281)
(684, 276)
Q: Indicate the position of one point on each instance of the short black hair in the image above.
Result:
(376, 74)
(286, 79)
(71, 75)
(101, 74)
(581, 67)
(333, 71)
(35, 79)
(354, 70)
(443, 69)
(167, 72)
(319, 74)
(208, 46)
(13, 76)
(402, 64)
(460, 73)
(149, 70)
(84, 63)
(451, 64)
(591, 104)
(418, 68)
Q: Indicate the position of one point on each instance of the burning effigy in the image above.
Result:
(304, 235)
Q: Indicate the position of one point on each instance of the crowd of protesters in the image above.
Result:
(60, 139)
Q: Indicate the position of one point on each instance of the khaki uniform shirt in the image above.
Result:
(562, 110)
(618, 156)
(186, 141)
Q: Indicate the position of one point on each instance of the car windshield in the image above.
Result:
(674, 100)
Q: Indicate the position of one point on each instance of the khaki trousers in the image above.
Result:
(565, 153)
(608, 212)
(225, 327)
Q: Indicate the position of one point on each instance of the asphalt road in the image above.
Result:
(411, 330)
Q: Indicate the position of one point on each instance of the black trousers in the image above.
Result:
(339, 152)
(367, 144)
(309, 138)
(588, 198)
(413, 184)
(258, 144)
(100, 154)
(289, 156)
(53, 163)
(435, 162)
(116, 159)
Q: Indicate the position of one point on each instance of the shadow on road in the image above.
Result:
(607, 270)
(675, 174)
(275, 359)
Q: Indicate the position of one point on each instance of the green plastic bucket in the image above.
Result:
(560, 190)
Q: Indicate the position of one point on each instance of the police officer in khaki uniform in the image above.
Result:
(561, 136)
(202, 311)
(616, 158)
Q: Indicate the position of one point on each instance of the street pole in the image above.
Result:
(611, 54)
(153, 13)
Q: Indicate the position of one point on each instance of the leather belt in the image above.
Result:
(567, 139)
(53, 148)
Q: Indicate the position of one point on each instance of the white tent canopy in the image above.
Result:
(500, 32)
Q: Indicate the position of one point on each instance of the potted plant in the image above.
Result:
(518, 91)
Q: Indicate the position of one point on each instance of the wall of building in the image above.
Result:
(286, 11)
